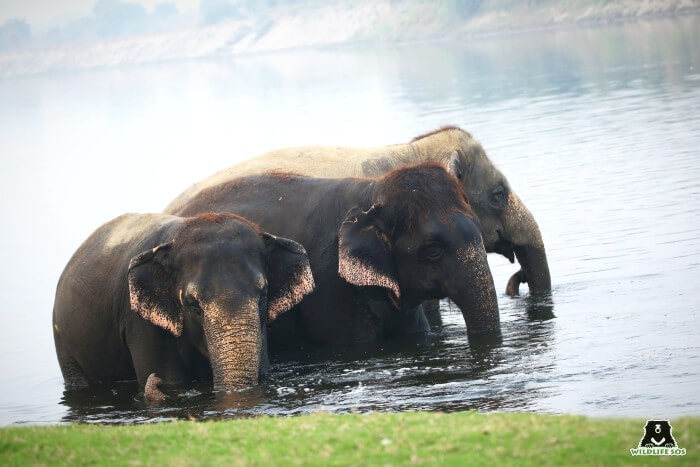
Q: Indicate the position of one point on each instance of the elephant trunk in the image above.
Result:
(477, 298)
(534, 269)
(234, 341)
(524, 234)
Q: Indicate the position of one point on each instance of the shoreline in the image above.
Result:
(335, 26)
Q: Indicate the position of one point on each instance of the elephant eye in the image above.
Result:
(433, 252)
(498, 195)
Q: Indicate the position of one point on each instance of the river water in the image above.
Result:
(597, 129)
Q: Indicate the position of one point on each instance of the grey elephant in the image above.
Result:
(506, 225)
(378, 249)
(184, 298)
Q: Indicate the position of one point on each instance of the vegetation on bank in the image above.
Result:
(123, 33)
(396, 438)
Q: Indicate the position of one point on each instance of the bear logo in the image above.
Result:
(657, 434)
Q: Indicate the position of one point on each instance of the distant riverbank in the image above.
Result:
(337, 23)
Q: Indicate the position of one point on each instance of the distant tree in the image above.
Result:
(114, 18)
(14, 33)
(216, 11)
(165, 10)
(465, 8)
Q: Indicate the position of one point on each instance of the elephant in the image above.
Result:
(184, 298)
(377, 248)
(507, 226)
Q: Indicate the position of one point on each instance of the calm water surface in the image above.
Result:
(598, 130)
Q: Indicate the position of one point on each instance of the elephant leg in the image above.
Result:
(431, 308)
(156, 351)
(73, 375)
(411, 322)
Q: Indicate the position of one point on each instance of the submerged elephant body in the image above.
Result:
(507, 226)
(377, 249)
(186, 298)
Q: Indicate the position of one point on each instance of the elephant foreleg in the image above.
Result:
(73, 375)
(154, 352)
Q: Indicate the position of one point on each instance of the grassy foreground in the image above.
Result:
(418, 437)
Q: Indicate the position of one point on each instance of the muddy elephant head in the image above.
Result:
(216, 284)
(507, 226)
(420, 240)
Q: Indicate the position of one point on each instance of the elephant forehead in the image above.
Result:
(130, 226)
(483, 176)
(415, 193)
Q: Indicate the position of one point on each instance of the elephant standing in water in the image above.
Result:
(507, 226)
(378, 248)
(184, 298)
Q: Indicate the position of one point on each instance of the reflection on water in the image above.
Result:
(595, 128)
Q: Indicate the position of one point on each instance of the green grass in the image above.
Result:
(322, 439)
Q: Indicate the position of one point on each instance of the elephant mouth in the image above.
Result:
(504, 247)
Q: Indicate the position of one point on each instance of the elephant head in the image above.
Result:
(216, 284)
(507, 226)
(420, 240)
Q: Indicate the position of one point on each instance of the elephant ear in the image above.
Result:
(151, 290)
(455, 166)
(289, 277)
(364, 251)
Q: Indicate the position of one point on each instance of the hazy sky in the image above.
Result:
(42, 13)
